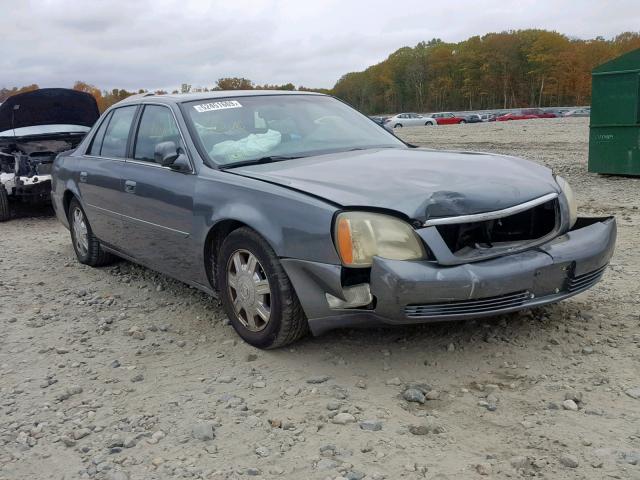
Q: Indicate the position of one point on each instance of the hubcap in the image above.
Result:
(80, 233)
(249, 290)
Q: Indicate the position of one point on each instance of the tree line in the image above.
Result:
(522, 68)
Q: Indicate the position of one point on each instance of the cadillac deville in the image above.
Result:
(301, 214)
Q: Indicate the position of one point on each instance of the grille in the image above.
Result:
(526, 226)
(464, 307)
(586, 280)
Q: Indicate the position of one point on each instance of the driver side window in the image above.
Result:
(157, 125)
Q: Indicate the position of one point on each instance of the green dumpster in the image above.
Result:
(614, 134)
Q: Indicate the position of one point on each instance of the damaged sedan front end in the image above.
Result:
(301, 214)
(446, 236)
(34, 128)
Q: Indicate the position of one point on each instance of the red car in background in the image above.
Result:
(447, 118)
(526, 115)
(538, 112)
(514, 116)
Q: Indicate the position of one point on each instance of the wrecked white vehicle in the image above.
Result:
(34, 128)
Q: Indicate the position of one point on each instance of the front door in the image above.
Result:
(158, 201)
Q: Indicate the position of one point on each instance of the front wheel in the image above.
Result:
(86, 245)
(462, 122)
(397, 125)
(256, 293)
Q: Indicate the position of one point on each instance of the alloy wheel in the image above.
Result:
(80, 232)
(249, 290)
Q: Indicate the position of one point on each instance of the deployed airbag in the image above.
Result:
(252, 146)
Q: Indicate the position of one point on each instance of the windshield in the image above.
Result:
(246, 129)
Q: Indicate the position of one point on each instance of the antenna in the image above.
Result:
(13, 123)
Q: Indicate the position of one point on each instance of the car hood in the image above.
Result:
(419, 183)
(48, 106)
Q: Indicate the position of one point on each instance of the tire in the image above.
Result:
(397, 125)
(5, 213)
(428, 124)
(462, 122)
(88, 251)
(241, 291)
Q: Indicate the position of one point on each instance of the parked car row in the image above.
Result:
(448, 118)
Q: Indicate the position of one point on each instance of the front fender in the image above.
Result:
(294, 224)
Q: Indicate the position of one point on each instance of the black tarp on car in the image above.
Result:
(48, 106)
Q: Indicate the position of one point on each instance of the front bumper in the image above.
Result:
(409, 292)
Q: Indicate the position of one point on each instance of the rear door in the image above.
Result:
(416, 119)
(158, 201)
(99, 175)
(448, 119)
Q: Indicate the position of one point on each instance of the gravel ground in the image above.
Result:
(121, 373)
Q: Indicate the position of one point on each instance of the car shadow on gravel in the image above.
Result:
(508, 328)
(21, 210)
(515, 328)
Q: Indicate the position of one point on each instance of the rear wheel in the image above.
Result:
(256, 293)
(86, 245)
(5, 214)
(462, 122)
(428, 124)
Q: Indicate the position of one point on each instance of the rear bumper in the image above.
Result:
(409, 292)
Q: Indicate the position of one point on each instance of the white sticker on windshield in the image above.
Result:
(208, 107)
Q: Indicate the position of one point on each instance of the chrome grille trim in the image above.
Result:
(481, 217)
(586, 280)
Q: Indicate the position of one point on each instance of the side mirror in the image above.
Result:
(166, 153)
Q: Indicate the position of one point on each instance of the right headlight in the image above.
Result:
(571, 199)
(359, 236)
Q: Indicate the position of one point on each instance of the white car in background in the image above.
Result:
(578, 112)
(409, 120)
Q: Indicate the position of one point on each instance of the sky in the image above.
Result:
(155, 44)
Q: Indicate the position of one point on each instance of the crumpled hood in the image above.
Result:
(419, 183)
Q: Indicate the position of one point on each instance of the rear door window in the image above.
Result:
(114, 144)
(157, 125)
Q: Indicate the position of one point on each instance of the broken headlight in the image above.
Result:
(359, 236)
(571, 199)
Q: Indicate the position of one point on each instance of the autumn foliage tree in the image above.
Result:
(498, 70)
(8, 92)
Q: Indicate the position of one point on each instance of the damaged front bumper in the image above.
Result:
(28, 188)
(406, 292)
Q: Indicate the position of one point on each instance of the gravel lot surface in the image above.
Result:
(121, 373)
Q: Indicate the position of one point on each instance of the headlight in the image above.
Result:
(361, 235)
(571, 199)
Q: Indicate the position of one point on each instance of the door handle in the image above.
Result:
(130, 186)
(83, 177)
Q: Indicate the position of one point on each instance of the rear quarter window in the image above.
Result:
(96, 143)
(114, 143)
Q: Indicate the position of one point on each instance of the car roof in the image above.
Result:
(190, 97)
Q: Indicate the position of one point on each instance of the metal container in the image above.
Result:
(614, 136)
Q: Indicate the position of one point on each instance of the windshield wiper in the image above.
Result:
(258, 161)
